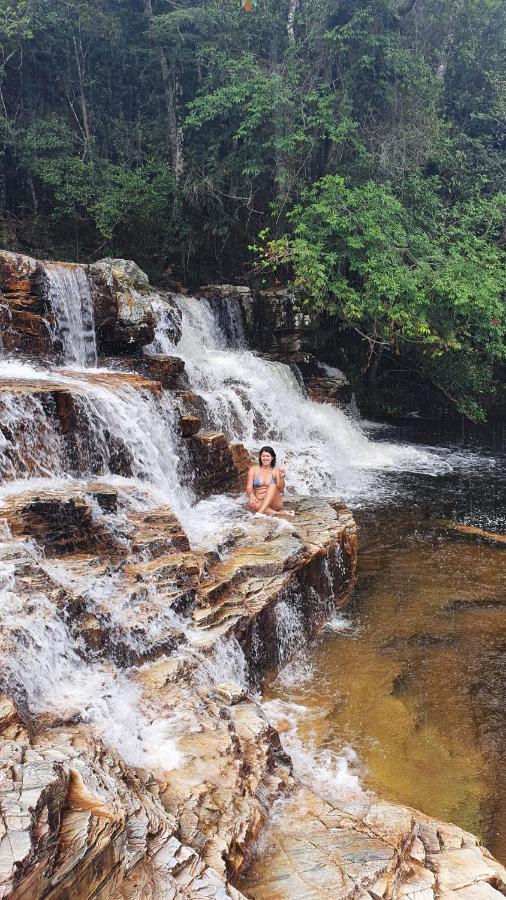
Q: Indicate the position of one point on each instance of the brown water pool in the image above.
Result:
(417, 683)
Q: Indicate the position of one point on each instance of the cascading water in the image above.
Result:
(70, 300)
(47, 671)
(140, 423)
(257, 401)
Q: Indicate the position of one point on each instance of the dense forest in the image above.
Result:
(353, 148)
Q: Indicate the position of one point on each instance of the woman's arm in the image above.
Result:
(281, 479)
(249, 483)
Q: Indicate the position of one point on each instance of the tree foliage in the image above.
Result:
(368, 136)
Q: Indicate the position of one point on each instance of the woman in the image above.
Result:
(265, 486)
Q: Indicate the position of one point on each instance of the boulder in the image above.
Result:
(24, 324)
(123, 306)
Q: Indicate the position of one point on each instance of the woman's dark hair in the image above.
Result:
(267, 450)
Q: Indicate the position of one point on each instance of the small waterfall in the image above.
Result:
(334, 775)
(258, 401)
(116, 421)
(69, 296)
(226, 664)
(229, 319)
(289, 631)
(29, 444)
(46, 669)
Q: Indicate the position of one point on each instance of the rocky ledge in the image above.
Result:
(320, 850)
(80, 821)
(77, 819)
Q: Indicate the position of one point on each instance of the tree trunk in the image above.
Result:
(175, 132)
(79, 55)
(35, 202)
(373, 371)
(292, 10)
(171, 89)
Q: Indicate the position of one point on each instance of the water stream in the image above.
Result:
(69, 298)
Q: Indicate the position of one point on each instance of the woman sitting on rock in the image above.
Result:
(265, 486)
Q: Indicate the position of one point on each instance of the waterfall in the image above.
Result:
(59, 428)
(70, 300)
(258, 401)
(46, 669)
(28, 441)
(111, 420)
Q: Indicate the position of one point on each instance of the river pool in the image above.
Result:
(408, 685)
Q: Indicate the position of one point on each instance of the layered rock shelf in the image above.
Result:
(78, 818)
(375, 850)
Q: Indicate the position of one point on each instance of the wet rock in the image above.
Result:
(24, 324)
(168, 371)
(189, 403)
(319, 849)
(305, 570)
(335, 390)
(216, 465)
(81, 824)
(123, 306)
(189, 425)
(473, 531)
(61, 524)
(62, 432)
(279, 325)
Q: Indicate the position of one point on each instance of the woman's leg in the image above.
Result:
(272, 504)
(270, 494)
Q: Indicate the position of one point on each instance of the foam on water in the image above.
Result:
(334, 776)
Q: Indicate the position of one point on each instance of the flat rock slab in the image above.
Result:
(317, 850)
(76, 382)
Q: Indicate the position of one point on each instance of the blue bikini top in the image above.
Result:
(257, 483)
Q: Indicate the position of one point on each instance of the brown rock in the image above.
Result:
(24, 323)
(189, 425)
(324, 389)
(217, 465)
(166, 369)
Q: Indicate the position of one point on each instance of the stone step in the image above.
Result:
(62, 523)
